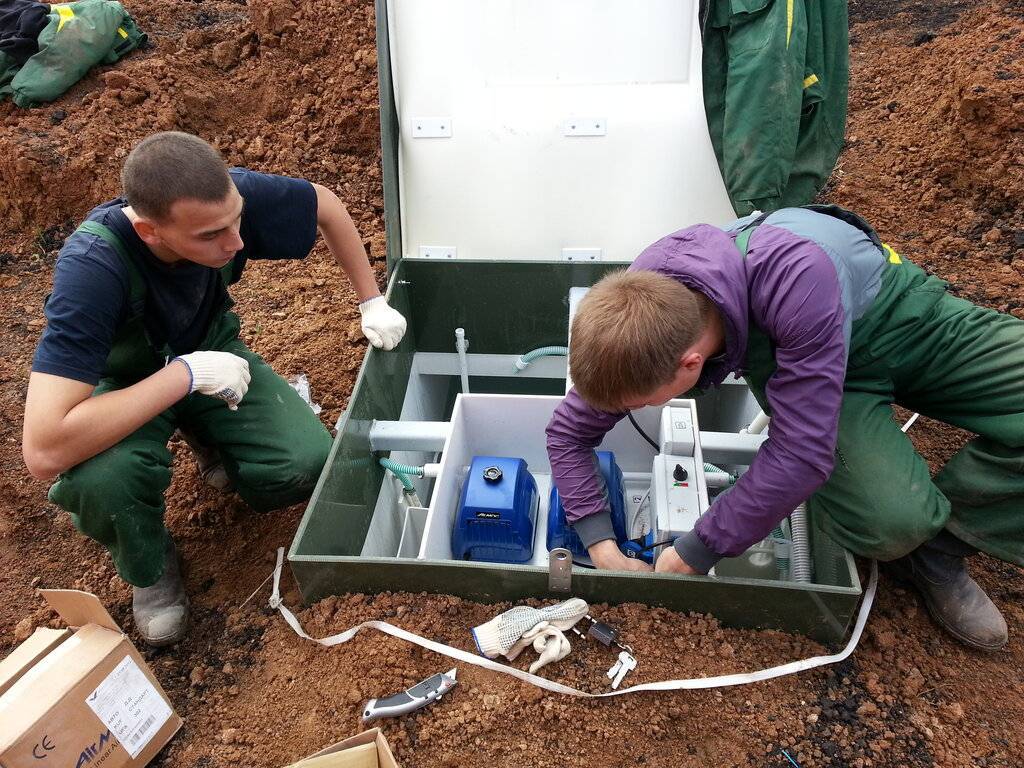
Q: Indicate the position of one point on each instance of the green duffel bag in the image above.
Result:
(78, 36)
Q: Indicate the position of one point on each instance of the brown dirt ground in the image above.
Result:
(933, 158)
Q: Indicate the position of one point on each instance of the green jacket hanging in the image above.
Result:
(78, 36)
(775, 81)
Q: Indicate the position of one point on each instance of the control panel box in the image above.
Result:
(676, 496)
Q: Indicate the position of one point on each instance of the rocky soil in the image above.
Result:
(933, 158)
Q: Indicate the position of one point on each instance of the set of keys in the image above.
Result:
(622, 667)
(608, 636)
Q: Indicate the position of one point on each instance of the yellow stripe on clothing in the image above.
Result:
(894, 258)
(810, 80)
(789, 21)
(122, 33)
(65, 13)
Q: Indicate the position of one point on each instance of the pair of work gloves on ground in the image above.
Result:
(509, 633)
(224, 375)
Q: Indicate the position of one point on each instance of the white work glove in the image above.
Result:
(550, 643)
(218, 374)
(382, 325)
(505, 634)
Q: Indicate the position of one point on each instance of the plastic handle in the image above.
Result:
(410, 700)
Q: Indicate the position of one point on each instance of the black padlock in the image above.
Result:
(605, 634)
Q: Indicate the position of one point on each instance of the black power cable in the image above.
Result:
(644, 435)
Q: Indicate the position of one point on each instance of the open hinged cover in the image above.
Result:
(527, 129)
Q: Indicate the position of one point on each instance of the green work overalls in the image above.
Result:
(947, 359)
(273, 447)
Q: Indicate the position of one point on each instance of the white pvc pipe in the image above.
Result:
(717, 479)
(427, 436)
(460, 346)
(730, 447)
(713, 479)
(756, 427)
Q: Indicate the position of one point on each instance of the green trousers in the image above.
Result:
(948, 359)
(273, 448)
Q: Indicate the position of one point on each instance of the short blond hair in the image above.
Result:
(628, 334)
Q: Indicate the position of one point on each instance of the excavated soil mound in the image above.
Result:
(933, 159)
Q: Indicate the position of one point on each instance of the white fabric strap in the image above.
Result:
(720, 681)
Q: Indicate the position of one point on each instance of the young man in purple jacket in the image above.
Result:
(829, 327)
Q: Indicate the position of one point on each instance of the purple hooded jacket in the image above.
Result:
(807, 277)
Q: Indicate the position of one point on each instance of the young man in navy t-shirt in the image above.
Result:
(140, 341)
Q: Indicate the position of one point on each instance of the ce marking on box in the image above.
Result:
(39, 750)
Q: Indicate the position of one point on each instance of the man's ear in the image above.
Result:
(691, 360)
(146, 231)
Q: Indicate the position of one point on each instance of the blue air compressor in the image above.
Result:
(561, 534)
(497, 512)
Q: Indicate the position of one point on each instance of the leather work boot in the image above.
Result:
(211, 468)
(953, 598)
(161, 611)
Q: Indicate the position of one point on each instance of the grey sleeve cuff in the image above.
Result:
(594, 528)
(695, 553)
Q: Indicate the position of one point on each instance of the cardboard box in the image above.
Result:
(368, 749)
(25, 656)
(84, 699)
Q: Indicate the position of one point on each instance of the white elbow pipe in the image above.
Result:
(756, 427)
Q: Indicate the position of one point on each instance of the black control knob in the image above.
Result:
(679, 474)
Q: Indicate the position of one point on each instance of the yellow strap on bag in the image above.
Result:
(65, 13)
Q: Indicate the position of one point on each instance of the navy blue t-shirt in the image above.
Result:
(91, 289)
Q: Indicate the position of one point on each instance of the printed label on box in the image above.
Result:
(130, 706)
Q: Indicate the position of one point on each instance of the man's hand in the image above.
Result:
(606, 555)
(669, 561)
(218, 374)
(382, 325)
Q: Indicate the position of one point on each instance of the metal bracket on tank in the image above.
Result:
(560, 570)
